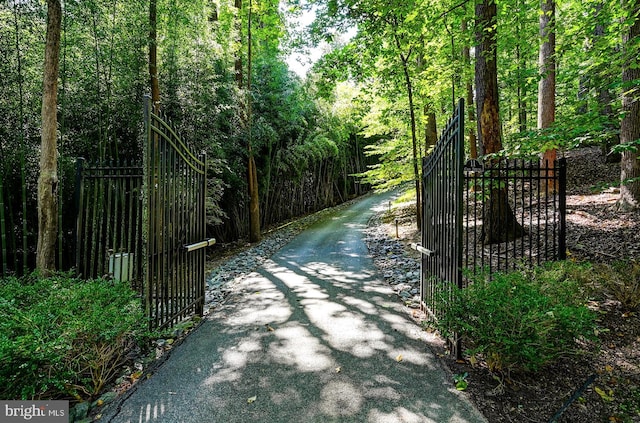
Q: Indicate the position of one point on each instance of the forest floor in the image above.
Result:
(602, 382)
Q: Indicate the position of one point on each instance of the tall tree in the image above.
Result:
(405, 57)
(499, 221)
(153, 52)
(471, 115)
(245, 121)
(547, 65)
(48, 179)
(21, 130)
(630, 124)
(252, 172)
(547, 83)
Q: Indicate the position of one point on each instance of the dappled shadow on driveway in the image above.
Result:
(313, 336)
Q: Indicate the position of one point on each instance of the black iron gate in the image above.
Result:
(442, 184)
(145, 224)
(457, 213)
(175, 181)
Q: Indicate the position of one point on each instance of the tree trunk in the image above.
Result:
(254, 198)
(487, 78)
(48, 179)
(499, 222)
(522, 104)
(466, 56)
(431, 130)
(630, 124)
(547, 84)
(23, 167)
(238, 62)
(414, 137)
(153, 54)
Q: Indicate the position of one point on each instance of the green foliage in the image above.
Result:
(62, 337)
(619, 280)
(519, 321)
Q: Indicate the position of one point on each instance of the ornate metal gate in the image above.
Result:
(175, 182)
(442, 184)
(145, 225)
(456, 208)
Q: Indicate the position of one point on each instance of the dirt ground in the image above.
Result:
(602, 383)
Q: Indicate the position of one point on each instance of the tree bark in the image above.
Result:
(153, 54)
(255, 234)
(48, 179)
(499, 222)
(238, 62)
(431, 130)
(466, 56)
(547, 83)
(414, 137)
(630, 124)
(404, 59)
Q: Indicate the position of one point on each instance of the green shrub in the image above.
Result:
(62, 337)
(619, 280)
(521, 320)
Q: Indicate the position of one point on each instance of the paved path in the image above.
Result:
(314, 335)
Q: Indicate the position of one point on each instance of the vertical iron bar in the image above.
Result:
(77, 200)
(562, 188)
(108, 221)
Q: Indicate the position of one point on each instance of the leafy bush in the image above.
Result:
(62, 337)
(620, 280)
(521, 320)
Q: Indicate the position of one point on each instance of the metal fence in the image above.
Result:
(442, 212)
(109, 221)
(536, 193)
(485, 217)
(145, 224)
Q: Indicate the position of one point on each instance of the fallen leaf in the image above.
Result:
(608, 368)
(269, 328)
(473, 360)
(338, 369)
(606, 396)
(399, 358)
(252, 399)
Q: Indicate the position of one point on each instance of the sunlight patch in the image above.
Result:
(295, 346)
(340, 399)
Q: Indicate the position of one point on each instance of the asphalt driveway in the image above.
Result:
(314, 335)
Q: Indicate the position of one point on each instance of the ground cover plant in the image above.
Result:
(61, 337)
(521, 320)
